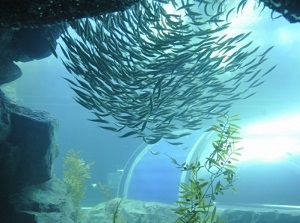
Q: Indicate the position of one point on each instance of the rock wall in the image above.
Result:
(27, 151)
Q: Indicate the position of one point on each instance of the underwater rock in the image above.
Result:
(33, 43)
(257, 215)
(9, 71)
(289, 9)
(27, 150)
(46, 202)
(23, 45)
(42, 12)
(30, 146)
(4, 120)
(148, 212)
(131, 211)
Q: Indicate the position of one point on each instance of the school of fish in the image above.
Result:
(161, 68)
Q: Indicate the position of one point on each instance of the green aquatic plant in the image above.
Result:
(75, 173)
(196, 200)
(116, 211)
(113, 208)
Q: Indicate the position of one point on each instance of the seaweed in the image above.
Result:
(196, 199)
(75, 173)
(116, 211)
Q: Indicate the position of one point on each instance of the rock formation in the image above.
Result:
(45, 12)
(289, 9)
(131, 211)
(149, 212)
(29, 193)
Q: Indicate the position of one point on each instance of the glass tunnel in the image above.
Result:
(270, 159)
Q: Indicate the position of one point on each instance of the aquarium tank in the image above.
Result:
(142, 111)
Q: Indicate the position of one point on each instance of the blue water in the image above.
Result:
(42, 87)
